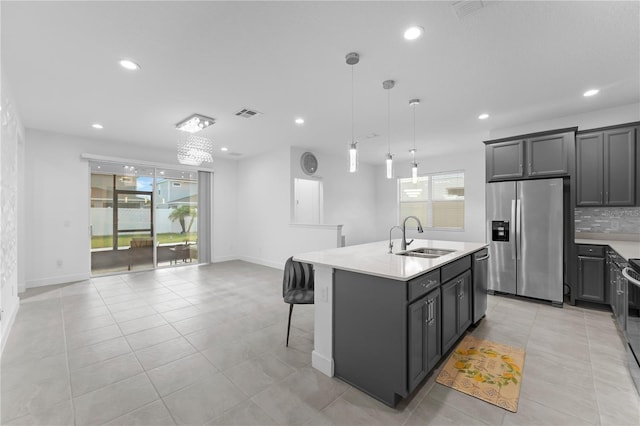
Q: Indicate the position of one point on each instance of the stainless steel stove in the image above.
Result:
(632, 275)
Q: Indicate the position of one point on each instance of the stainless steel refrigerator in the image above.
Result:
(525, 234)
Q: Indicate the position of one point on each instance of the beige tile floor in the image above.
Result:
(204, 345)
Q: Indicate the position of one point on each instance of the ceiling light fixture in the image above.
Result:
(129, 65)
(388, 85)
(299, 120)
(483, 116)
(352, 59)
(591, 92)
(195, 123)
(413, 33)
(414, 166)
(97, 126)
(193, 150)
(224, 149)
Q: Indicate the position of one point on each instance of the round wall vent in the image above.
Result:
(309, 163)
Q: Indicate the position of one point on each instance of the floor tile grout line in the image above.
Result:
(146, 375)
(66, 348)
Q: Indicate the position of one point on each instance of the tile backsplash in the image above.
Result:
(607, 220)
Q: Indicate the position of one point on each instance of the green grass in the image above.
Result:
(106, 241)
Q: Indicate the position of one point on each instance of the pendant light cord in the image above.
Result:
(414, 133)
(352, 106)
(389, 120)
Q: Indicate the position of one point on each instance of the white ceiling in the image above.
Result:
(518, 61)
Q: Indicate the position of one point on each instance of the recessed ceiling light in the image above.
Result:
(413, 33)
(224, 148)
(590, 92)
(483, 116)
(130, 65)
(97, 126)
(299, 120)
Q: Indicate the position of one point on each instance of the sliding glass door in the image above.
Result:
(177, 217)
(142, 217)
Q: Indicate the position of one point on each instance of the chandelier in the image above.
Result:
(194, 150)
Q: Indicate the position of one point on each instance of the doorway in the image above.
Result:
(142, 217)
(307, 207)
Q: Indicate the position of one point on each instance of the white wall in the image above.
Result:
(57, 199)
(265, 194)
(11, 146)
(348, 198)
(585, 121)
(472, 162)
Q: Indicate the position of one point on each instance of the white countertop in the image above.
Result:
(626, 249)
(375, 259)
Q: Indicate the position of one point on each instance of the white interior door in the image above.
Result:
(308, 205)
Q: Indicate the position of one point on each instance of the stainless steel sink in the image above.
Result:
(428, 253)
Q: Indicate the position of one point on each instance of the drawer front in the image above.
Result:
(423, 284)
(590, 250)
(455, 268)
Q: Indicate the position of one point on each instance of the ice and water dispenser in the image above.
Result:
(499, 230)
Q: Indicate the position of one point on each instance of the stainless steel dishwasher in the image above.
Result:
(480, 270)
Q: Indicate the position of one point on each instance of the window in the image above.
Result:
(436, 199)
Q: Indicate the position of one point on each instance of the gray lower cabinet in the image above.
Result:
(388, 334)
(424, 337)
(592, 283)
(456, 309)
(606, 168)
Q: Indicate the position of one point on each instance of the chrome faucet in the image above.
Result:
(390, 242)
(404, 242)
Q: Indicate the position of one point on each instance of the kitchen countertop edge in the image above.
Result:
(374, 259)
(626, 249)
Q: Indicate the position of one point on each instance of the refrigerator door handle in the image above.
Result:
(512, 230)
(518, 229)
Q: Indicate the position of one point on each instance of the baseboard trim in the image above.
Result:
(224, 259)
(9, 325)
(262, 262)
(322, 363)
(63, 279)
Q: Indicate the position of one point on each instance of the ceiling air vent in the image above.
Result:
(464, 8)
(235, 154)
(248, 113)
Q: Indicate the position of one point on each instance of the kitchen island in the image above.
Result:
(383, 320)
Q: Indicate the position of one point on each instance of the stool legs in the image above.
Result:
(289, 323)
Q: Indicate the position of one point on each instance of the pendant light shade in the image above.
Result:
(388, 85)
(353, 158)
(389, 166)
(414, 166)
(352, 59)
(414, 172)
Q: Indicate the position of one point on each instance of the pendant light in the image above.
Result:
(414, 166)
(352, 59)
(388, 85)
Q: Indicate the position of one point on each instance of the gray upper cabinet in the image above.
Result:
(531, 157)
(619, 167)
(606, 168)
(589, 169)
(504, 160)
(547, 156)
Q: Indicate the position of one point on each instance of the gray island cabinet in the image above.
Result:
(392, 317)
